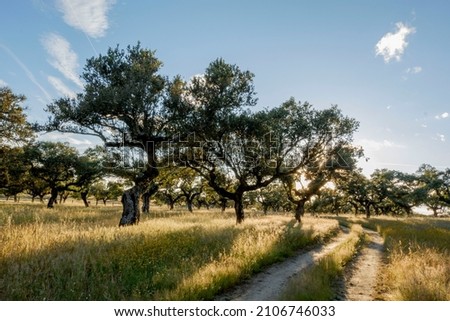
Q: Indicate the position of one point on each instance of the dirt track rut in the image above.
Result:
(360, 281)
(270, 284)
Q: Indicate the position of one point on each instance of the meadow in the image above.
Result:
(77, 253)
(417, 256)
(317, 283)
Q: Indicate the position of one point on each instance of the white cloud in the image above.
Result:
(3, 83)
(89, 16)
(373, 145)
(63, 58)
(441, 137)
(442, 116)
(414, 70)
(393, 45)
(79, 141)
(61, 87)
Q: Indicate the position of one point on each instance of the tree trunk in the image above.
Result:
(299, 210)
(147, 196)
(131, 211)
(53, 197)
(84, 198)
(239, 208)
(367, 210)
(189, 203)
(435, 212)
(223, 204)
(104, 201)
(146, 203)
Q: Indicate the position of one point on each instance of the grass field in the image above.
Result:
(77, 253)
(316, 283)
(417, 257)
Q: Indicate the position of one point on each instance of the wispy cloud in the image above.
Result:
(3, 83)
(392, 45)
(442, 116)
(370, 145)
(27, 71)
(61, 87)
(89, 16)
(79, 141)
(63, 58)
(414, 70)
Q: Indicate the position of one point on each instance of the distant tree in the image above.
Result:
(169, 189)
(273, 197)
(393, 192)
(357, 190)
(36, 187)
(432, 188)
(53, 163)
(329, 200)
(190, 184)
(105, 191)
(328, 165)
(89, 168)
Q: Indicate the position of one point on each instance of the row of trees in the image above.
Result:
(203, 124)
(193, 137)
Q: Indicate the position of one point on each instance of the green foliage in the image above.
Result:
(433, 187)
(13, 124)
(105, 191)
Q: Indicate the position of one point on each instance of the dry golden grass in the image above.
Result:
(417, 258)
(77, 253)
(316, 283)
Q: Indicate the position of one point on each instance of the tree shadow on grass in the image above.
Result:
(123, 266)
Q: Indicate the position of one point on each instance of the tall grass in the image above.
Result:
(418, 258)
(74, 253)
(316, 283)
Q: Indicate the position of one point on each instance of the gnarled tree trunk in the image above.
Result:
(300, 210)
(131, 212)
(146, 198)
(53, 198)
(239, 208)
(84, 195)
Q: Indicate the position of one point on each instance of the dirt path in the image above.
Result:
(269, 284)
(361, 277)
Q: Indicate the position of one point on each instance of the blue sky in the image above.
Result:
(384, 63)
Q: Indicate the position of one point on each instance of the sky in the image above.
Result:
(384, 62)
